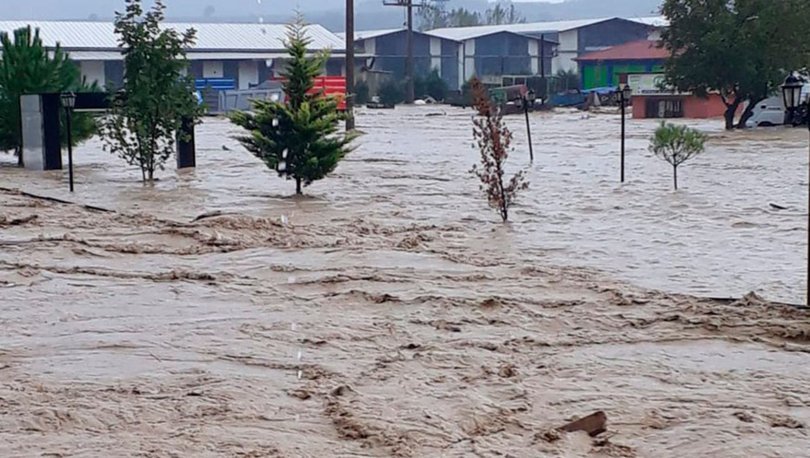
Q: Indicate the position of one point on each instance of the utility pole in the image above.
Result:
(409, 77)
(349, 65)
(544, 93)
(409, 91)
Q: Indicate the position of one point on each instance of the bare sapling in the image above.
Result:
(494, 140)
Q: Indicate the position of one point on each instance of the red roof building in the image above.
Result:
(641, 64)
(602, 68)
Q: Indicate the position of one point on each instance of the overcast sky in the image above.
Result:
(83, 9)
(371, 14)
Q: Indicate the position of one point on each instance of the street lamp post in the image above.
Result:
(529, 100)
(68, 103)
(349, 65)
(792, 94)
(625, 94)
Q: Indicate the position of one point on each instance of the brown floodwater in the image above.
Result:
(389, 313)
(717, 236)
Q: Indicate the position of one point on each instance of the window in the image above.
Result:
(664, 108)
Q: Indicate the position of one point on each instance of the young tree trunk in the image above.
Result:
(504, 206)
(731, 110)
(298, 189)
(19, 153)
(749, 111)
(675, 175)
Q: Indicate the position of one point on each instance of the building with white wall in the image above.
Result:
(387, 50)
(242, 54)
(573, 38)
(468, 52)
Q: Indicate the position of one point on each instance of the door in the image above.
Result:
(248, 74)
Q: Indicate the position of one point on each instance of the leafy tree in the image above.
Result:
(676, 145)
(143, 125)
(435, 16)
(565, 80)
(504, 12)
(494, 140)
(432, 15)
(462, 17)
(27, 68)
(299, 139)
(740, 49)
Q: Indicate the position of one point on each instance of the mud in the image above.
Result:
(389, 314)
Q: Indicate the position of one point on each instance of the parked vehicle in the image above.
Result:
(768, 112)
(771, 111)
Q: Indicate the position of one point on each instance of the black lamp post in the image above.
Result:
(68, 103)
(792, 94)
(625, 95)
(528, 100)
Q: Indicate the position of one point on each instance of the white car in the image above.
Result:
(771, 111)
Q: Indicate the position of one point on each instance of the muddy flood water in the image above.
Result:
(389, 313)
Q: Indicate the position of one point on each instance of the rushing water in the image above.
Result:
(718, 235)
(390, 313)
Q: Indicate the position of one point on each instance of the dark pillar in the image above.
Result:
(528, 127)
(186, 151)
(52, 145)
(409, 90)
(623, 102)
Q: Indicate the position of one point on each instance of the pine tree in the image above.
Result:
(298, 137)
(27, 68)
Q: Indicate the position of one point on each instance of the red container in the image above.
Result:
(330, 85)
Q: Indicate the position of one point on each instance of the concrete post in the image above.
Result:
(33, 151)
(40, 132)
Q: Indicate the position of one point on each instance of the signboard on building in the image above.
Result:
(650, 84)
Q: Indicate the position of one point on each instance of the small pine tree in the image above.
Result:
(431, 85)
(142, 127)
(297, 137)
(676, 145)
(392, 92)
(494, 140)
(27, 68)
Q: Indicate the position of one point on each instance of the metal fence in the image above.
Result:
(241, 99)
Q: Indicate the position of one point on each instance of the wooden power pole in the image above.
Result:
(349, 65)
(409, 77)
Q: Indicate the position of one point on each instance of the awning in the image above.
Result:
(258, 56)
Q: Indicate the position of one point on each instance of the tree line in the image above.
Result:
(435, 15)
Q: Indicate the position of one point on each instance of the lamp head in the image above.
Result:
(69, 100)
(792, 91)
